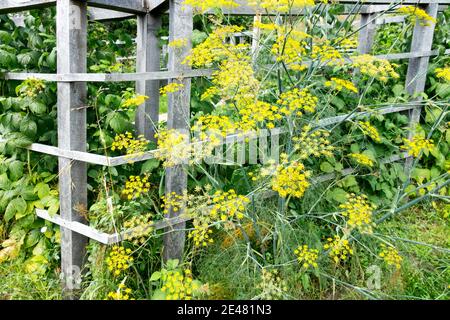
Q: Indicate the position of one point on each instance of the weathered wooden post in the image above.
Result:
(148, 59)
(418, 67)
(71, 22)
(181, 26)
(368, 30)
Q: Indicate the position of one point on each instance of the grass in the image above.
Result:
(232, 269)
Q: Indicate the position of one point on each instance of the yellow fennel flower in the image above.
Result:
(390, 256)
(341, 84)
(307, 257)
(358, 210)
(370, 130)
(339, 249)
(443, 73)
(415, 13)
(291, 180)
(362, 159)
(416, 145)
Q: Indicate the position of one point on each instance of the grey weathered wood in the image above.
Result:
(416, 75)
(181, 27)
(75, 226)
(71, 21)
(9, 6)
(109, 77)
(368, 28)
(130, 6)
(103, 15)
(148, 59)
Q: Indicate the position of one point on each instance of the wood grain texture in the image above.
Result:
(147, 60)
(181, 27)
(71, 24)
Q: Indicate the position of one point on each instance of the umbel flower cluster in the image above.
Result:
(119, 260)
(307, 257)
(391, 256)
(178, 285)
(272, 286)
(358, 210)
(338, 249)
(416, 145)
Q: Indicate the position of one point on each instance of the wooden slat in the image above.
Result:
(75, 226)
(148, 60)
(416, 75)
(368, 28)
(103, 15)
(109, 77)
(10, 6)
(180, 27)
(129, 6)
(71, 35)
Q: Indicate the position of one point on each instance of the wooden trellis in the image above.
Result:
(72, 76)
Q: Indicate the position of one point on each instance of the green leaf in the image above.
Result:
(337, 194)
(150, 165)
(155, 276)
(4, 181)
(42, 190)
(38, 107)
(159, 295)
(16, 170)
(326, 167)
(28, 127)
(172, 264)
(118, 122)
(16, 206)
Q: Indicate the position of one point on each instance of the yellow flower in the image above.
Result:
(307, 257)
(178, 43)
(340, 84)
(290, 49)
(272, 286)
(416, 145)
(374, 67)
(339, 249)
(281, 6)
(178, 285)
(359, 213)
(31, 87)
(122, 293)
(370, 130)
(297, 101)
(173, 147)
(170, 88)
(141, 227)
(443, 73)
(135, 186)
(291, 180)
(257, 113)
(362, 159)
(134, 101)
(415, 13)
(390, 256)
(313, 143)
(228, 205)
(128, 143)
(119, 260)
(205, 5)
(326, 53)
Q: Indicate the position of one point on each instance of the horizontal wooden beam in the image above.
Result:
(108, 77)
(11, 6)
(128, 6)
(104, 15)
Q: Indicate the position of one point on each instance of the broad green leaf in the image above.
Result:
(16, 170)
(16, 206)
(150, 165)
(326, 167)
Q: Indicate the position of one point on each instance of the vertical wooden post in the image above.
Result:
(367, 32)
(181, 27)
(148, 59)
(72, 97)
(418, 67)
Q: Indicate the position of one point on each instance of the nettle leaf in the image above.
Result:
(38, 107)
(326, 167)
(5, 37)
(28, 127)
(150, 165)
(16, 170)
(337, 194)
(17, 206)
(118, 122)
(42, 190)
(4, 182)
